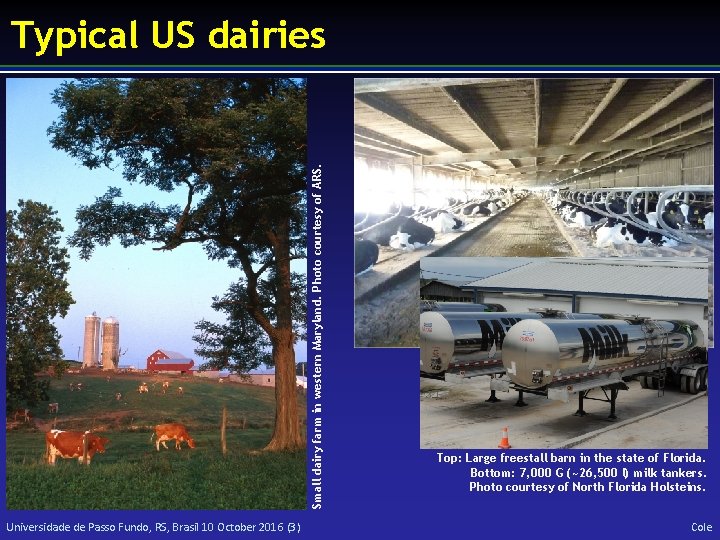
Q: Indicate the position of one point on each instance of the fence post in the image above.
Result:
(223, 442)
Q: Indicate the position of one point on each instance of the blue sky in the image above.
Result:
(157, 296)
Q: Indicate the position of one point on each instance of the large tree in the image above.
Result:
(36, 293)
(236, 149)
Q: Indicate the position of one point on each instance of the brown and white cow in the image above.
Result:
(180, 391)
(143, 388)
(69, 444)
(165, 432)
(22, 415)
(53, 407)
(165, 386)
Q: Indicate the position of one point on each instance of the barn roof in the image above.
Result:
(677, 279)
(531, 131)
(172, 355)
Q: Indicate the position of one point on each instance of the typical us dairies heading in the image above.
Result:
(45, 40)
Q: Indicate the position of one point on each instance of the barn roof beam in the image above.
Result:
(460, 100)
(372, 144)
(696, 140)
(554, 150)
(697, 111)
(391, 108)
(609, 96)
(384, 140)
(373, 153)
(673, 96)
(530, 152)
(395, 84)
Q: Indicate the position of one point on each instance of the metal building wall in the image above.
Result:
(695, 167)
(698, 166)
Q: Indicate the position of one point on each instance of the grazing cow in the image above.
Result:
(107, 379)
(165, 432)
(53, 408)
(69, 444)
(165, 386)
(118, 396)
(23, 415)
(143, 388)
(180, 391)
(220, 380)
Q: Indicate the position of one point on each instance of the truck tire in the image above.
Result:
(684, 383)
(695, 383)
(643, 382)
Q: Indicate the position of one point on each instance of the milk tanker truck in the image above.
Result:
(559, 358)
(470, 343)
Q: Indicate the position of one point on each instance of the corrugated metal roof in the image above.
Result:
(174, 355)
(637, 278)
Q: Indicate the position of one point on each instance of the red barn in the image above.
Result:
(162, 360)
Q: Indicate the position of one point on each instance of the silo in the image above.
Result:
(91, 342)
(110, 343)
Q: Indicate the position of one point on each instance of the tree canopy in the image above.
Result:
(36, 293)
(236, 149)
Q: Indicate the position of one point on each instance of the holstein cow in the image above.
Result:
(69, 444)
(165, 432)
(366, 255)
(53, 408)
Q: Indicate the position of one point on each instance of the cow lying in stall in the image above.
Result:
(69, 444)
(165, 432)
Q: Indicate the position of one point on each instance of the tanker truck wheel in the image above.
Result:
(684, 383)
(695, 383)
(644, 382)
(652, 382)
(704, 379)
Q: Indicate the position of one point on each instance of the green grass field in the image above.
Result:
(131, 474)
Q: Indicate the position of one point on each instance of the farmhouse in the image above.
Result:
(169, 361)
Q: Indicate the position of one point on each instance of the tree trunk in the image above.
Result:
(286, 435)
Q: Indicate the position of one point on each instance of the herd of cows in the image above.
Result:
(612, 221)
(406, 228)
(84, 445)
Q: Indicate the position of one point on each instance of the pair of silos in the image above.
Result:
(110, 342)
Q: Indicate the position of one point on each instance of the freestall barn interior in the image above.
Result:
(551, 167)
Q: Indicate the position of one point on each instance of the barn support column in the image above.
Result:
(417, 176)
